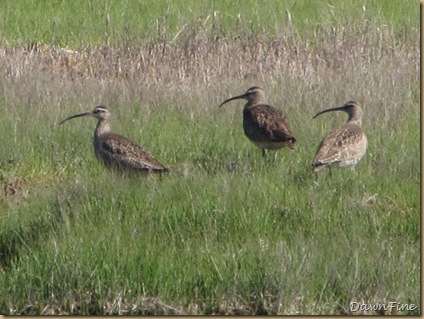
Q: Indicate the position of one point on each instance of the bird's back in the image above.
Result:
(117, 151)
(264, 123)
(344, 146)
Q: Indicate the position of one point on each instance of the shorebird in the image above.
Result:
(116, 151)
(346, 145)
(263, 124)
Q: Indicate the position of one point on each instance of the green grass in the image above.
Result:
(226, 231)
(78, 24)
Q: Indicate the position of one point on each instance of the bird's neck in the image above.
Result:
(257, 101)
(102, 127)
(356, 121)
(251, 104)
(355, 117)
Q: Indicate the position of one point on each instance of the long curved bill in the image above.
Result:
(74, 116)
(241, 96)
(337, 108)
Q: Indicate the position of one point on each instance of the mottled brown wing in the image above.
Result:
(270, 122)
(340, 145)
(122, 152)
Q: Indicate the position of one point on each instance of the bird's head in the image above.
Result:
(100, 112)
(255, 95)
(352, 108)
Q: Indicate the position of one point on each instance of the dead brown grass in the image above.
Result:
(198, 60)
(370, 64)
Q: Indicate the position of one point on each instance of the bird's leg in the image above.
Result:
(274, 158)
(263, 153)
(316, 178)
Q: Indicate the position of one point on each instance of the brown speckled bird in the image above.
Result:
(116, 151)
(264, 125)
(344, 146)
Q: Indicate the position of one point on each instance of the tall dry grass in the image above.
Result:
(369, 63)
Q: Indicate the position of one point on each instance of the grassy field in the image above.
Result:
(82, 24)
(227, 231)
